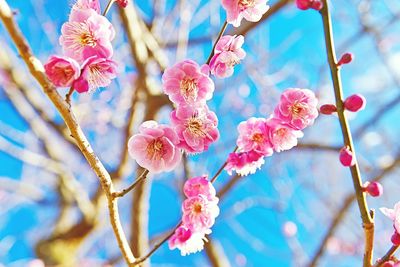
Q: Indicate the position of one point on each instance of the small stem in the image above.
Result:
(387, 256)
(159, 244)
(110, 3)
(68, 96)
(123, 192)
(366, 216)
(221, 32)
(221, 168)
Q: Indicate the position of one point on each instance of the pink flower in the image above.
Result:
(199, 186)
(87, 34)
(199, 213)
(154, 147)
(394, 215)
(254, 136)
(85, 4)
(251, 10)
(244, 163)
(355, 103)
(227, 53)
(62, 71)
(187, 241)
(187, 83)
(196, 127)
(297, 108)
(97, 72)
(282, 137)
(346, 157)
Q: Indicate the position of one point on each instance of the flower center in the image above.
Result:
(154, 149)
(188, 88)
(86, 39)
(297, 109)
(195, 127)
(197, 208)
(257, 137)
(246, 3)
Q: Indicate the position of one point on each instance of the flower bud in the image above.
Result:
(317, 5)
(345, 59)
(375, 189)
(355, 103)
(303, 4)
(395, 239)
(122, 3)
(327, 109)
(346, 157)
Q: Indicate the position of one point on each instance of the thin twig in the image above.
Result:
(110, 3)
(156, 246)
(221, 32)
(367, 219)
(68, 96)
(123, 192)
(221, 168)
(387, 256)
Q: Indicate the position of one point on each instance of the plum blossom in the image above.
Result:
(355, 103)
(96, 72)
(346, 157)
(187, 241)
(122, 3)
(251, 10)
(297, 108)
(62, 71)
(188, 83)
(87, 34)
(244, 163)
(281, 136)
(227, 53)
(199, 186)
(394, 215)
(254, 136)
(196, 127)
(155, 147)
(85, 4)
(199, 213)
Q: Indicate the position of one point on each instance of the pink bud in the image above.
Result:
(375, 189)
(327, 109)
(122, 3)
(303, 4)
(355, 103)
(317, 5)
(345, 59)
(395, 239)
(346, 157)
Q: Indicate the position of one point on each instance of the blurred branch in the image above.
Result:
(36, 69)
(215, 253)
(387, 256)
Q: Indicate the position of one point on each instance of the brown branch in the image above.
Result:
(367, 217)
(36, 69)
(387, 256)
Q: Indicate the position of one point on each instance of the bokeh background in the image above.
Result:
(282, 216)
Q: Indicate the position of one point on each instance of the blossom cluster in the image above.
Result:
(86, 43)
(261, 137)
(199, 212)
